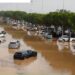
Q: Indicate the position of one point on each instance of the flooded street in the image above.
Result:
(54, 57)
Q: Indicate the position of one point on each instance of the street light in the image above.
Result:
(42, 6)
(30, 6)
(63, 5)
(63, 17)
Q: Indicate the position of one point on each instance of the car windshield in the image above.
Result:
(27, 52)
(65, 36)
(12, 42)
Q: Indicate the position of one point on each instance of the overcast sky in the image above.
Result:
(13, 1)
(40, 6)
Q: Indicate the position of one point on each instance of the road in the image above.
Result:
(50, 59)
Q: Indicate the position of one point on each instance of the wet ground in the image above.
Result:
(54, 57)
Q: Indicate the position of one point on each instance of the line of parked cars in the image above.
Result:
(46, 33)
(66, 38)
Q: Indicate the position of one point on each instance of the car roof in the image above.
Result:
(13, 40)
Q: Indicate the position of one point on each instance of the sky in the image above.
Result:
(39, 6)
(13, 1)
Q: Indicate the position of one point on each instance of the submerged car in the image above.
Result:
(67, 38)
(14, 44)
(72, 39)
(64, 38)
(2, 35)
(48, 36)
(24, 54)
(3, 32)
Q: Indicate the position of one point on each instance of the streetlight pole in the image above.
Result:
(57, 7)
(30, 6)
(42, 6)
(63, 17)
(63, 5)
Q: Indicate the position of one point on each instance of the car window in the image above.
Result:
(12, 42)
(65, 36)
(29, 51)
(25, 52)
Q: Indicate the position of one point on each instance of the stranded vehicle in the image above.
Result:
(14, 44)
(21, 55)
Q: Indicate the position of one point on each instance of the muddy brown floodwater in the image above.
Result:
(54, 57)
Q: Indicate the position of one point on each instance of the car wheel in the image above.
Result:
(73, 40)
(63, 40)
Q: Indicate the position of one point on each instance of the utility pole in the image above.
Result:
(63, 18)
(30, 7)
(63, 5)
(57, 7)
(42, 6)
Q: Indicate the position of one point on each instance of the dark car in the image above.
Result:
(24, 54)
(14, 44)
(3, 32)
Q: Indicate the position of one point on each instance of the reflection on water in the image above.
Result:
(68, 45)
(62, 45)
(72, 47)
(24, 62)
(12, 51)
(54, 58)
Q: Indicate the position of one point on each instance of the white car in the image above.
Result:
(72, 39)
(64, 38)
(15, 44)
(2, 37)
